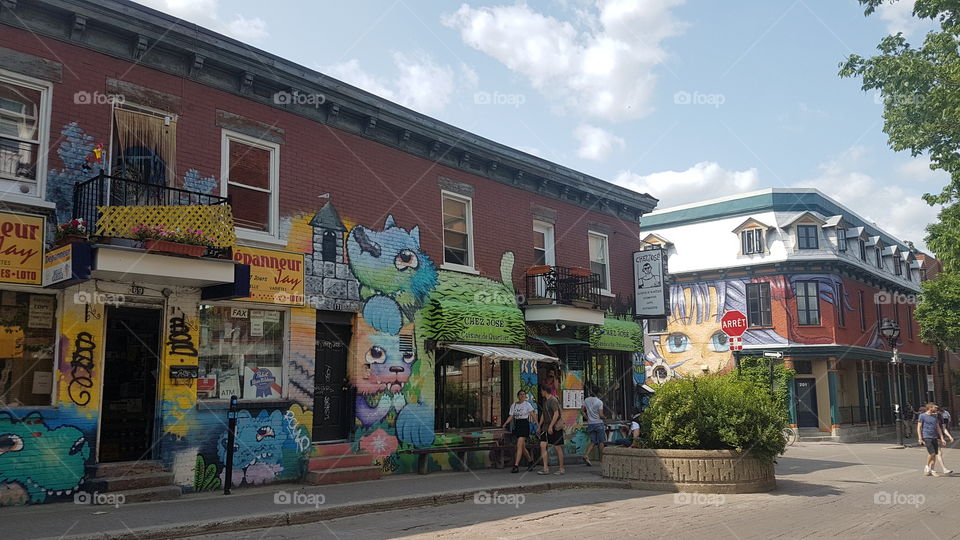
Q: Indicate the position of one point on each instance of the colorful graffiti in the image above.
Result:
(694, 341)
(40, 461)
(265, 446)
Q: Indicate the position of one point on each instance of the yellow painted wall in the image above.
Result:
(82, 329)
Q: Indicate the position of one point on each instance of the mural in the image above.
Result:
(75, 146)
(38, 461)
(694, 341)
(264, 447)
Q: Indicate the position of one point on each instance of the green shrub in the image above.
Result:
(714, 412)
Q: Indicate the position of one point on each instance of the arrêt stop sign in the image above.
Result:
(733, 323)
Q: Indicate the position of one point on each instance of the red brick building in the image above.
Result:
(375, 283)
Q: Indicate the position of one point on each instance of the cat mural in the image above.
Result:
(262, 447)
(29, 450)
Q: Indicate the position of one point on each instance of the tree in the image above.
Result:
(939, 312)
(756, 370)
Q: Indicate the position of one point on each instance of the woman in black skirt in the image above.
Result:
(520, 413)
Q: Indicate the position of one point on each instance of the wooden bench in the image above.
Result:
(502, 457)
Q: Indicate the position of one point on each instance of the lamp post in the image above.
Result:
(890, 331)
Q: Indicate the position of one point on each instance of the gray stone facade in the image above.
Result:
(330, 284)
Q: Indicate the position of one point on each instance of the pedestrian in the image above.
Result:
(551, 430)
(631, 434)
(930, 434)
(592, 409)
(944, 416)
(520, 413)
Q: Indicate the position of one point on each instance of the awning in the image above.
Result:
(500, 353)
(557, 340)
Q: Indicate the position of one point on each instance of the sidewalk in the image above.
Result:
(213, 512)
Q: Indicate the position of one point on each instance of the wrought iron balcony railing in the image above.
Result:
(562, 285)
(112, 205)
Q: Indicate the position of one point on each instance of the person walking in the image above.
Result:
(592, 409)
(944, 416)
(551, 430)
(520, 413)
(930, 435)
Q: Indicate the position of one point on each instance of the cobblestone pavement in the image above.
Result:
(824, 490)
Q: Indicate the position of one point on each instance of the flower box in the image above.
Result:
(70, 239)
(166, 246)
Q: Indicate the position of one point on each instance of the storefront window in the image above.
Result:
(609, 375)
(27, 338)
(241, 353)
(469, 391)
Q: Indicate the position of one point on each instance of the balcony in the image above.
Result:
(112, 206)
(559, 294)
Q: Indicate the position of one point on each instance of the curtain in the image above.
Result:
(135, 129)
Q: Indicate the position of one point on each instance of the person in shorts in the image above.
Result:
(592, 410)
(930, 435)
(551, 430)
(520, 413)
(944, 417)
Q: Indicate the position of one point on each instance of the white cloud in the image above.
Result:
(596, 143)
(918, 170)
(899, 17)
(899, 211)
(603, 66)
(420, 83)
(206, 13)
(705, 180)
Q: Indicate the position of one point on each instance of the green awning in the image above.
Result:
(557, 340)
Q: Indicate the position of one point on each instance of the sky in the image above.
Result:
(686, 100)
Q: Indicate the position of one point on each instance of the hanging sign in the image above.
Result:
(650, 279)
(21, 248)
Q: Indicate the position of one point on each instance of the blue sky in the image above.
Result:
(685, 100)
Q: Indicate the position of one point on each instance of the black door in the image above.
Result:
(807, 403)
(131, 358)
(332, 411)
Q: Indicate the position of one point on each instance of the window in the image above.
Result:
(28, 336)
(758, 304)
(839, 302)
(896, 313)
(604, 373)
(457, 230)
(144, 147)
(910, 321)
(469, 391)
(751, 241)
(879, 309)
(803, 367)
(657, 326)
(908, 272)
(808, 303)
(251, 172)
(600, 259)
(897, 265)
(863, 312)
(863, 250)
(841, 240)
(878, 256)
(543, 253)
(24, 119)
(241, 353)
(807, 237)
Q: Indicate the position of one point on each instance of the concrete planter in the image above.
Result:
(700, 471)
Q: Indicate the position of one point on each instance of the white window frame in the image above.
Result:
(43, 131)
(273, 234)
(549, 244)
(816, 236)
(759, 240)
(606, 244)
(467, 268)
(842, 241)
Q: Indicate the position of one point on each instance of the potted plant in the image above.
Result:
(72, 231)
(161, 239)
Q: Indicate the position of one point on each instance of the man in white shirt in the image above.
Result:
(592, 410)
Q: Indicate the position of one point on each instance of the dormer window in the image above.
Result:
(908, 274)
(751, 241)
(879, 257)
(897, 265)
(807, 237)
(863, 250)
(841, 240)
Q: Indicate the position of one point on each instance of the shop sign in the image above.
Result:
(263, 381)
(650, 277)
(276, 277)
(58, 265)
(617, 335)
(21, 248)
(449, 320)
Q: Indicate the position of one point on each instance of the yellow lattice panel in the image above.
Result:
(216, 221)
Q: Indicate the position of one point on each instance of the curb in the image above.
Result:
(233, 524)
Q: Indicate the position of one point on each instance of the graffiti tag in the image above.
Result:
(299, 435)
(180, 341)
(81, 369)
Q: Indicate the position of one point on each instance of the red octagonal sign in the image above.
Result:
(733, 323)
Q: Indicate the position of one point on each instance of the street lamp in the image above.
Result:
(890, 331)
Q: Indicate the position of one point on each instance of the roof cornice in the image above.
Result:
(159, 41)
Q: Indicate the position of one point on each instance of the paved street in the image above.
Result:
(824, 490)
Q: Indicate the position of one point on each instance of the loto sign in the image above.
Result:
(21, 248)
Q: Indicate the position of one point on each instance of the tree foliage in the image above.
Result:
(939, 313)
(756, 370)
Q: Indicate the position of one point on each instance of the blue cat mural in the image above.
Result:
(264, 446)
(29, 449)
